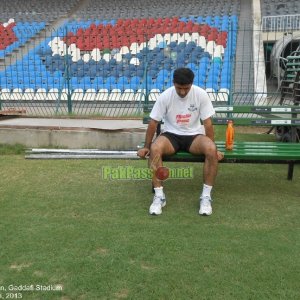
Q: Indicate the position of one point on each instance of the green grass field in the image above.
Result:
(65, 233)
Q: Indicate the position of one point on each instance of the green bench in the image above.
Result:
(251, 152)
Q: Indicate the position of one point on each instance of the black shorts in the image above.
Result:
(180, 142)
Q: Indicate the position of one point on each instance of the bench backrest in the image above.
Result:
(250, 115)
(258, 115)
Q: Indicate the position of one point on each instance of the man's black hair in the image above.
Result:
(183, 76)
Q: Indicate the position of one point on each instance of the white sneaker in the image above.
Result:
(205, 206)
(157, 205)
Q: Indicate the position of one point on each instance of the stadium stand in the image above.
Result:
(111, 51)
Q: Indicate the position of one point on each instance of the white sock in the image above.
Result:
(159, 191)
(206, 190)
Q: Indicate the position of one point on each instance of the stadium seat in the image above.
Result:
(223, 94)
(153, 95)
(128, 95)
(40, 94)
(102, 95)
(53, 94)
(17, 94)
(5, 94)
(77, 94)
(89, 95)
(115, 95)
(28, 94)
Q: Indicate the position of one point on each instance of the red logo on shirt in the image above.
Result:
(183, 119)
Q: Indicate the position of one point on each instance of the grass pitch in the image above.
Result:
(65, 233)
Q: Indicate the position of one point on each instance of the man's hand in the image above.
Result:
(143, 152)
(220, 155)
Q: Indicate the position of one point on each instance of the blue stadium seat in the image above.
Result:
(135, 80)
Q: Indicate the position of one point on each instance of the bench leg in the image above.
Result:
(290, 171)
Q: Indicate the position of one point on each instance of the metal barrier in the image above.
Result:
(281, 23)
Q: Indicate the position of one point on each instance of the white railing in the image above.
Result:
(281, 23)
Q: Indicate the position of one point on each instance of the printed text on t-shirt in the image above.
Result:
(183, 119)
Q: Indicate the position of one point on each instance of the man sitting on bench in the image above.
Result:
(181, 107)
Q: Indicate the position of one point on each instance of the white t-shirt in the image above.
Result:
(182, 115)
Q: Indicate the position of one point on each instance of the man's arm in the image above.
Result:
(209, 129)
(151, 130)
(209, 132)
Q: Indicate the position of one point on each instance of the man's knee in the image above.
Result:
(211, 151)
(155, 148)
